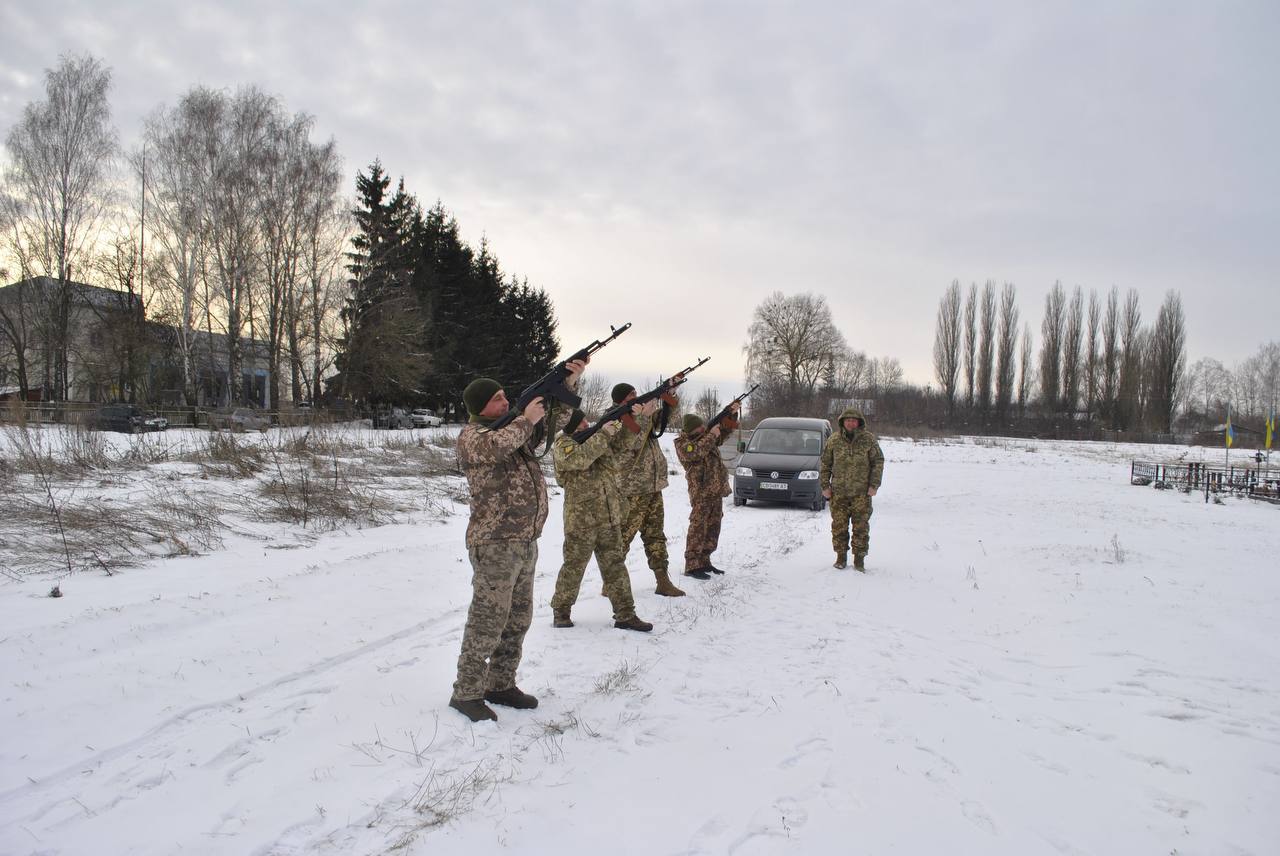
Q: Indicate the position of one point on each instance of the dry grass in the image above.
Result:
(68, 531)
(226, 457)
(71, 500)
(444, 796)
(317, 492)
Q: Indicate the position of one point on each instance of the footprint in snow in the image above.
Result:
(978, 816)
(813, 746)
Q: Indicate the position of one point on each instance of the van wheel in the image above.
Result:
(739, 501)
(819, 504)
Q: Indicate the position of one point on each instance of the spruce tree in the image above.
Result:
(382, 354)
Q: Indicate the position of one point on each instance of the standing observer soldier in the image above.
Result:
(642, 471)
(593, 511)
(852, 466)
(508, 509)
(708, 480)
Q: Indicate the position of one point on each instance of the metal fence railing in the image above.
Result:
(1260, 482)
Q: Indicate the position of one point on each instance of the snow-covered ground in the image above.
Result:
(1042, 659)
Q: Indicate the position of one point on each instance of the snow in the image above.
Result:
(1041, 659)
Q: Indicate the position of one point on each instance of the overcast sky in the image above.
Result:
(671, 164)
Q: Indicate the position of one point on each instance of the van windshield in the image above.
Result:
(785, 441)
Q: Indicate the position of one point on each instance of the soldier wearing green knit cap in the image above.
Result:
(698, 450)
(593, 516)
(508, 510)
(642, 477)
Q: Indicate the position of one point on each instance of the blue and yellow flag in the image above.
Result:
(1271, 427)
(1228, 434)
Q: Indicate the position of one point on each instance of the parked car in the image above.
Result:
(396, 417)
(128, 418)
(424, 418)
(780, 462)
(241, 419)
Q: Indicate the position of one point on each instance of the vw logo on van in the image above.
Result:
(773, 475)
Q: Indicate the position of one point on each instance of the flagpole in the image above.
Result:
(1226, 448)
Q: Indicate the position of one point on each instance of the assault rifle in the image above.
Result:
(552, 384)
(725, 412)
(620, 410)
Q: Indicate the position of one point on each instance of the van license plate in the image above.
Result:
(772, 486)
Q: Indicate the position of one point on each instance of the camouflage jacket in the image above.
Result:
(705, 472)
(588, 473)
(642, 467)
(508, 490)
(851, 463)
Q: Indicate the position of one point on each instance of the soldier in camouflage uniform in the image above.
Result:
(852, 466)
(642, 469)
(592, 524)
(708, 482)
(508, 510)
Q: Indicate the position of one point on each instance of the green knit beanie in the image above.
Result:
(575, 419)
(691, 422)
(478, 393)
(621, 391)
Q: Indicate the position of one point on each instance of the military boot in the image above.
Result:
(473, 709)
(511, 697)
(713, 569)
(698, 574)
(560, 618)
(842, 561)
(633, 623)
(857, 562)
(666, 588)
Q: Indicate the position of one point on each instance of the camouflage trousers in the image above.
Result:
(606, 543)
(645, 515)
(850, 512)
(705, 514)
(500, 615)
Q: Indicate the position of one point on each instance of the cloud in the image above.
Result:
(683, 160)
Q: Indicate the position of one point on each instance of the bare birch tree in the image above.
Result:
(61, 154)
(1209, 384)
(326, 229)
(300, 191)
(233, 146)
(168, 164)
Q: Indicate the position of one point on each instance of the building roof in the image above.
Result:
(92, 295)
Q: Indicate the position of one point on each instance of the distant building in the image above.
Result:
(112, 352)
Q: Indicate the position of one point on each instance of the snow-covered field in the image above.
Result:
(1042, 659)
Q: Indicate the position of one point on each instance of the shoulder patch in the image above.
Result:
(689, 448)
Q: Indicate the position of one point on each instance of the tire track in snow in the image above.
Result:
(169, 731)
